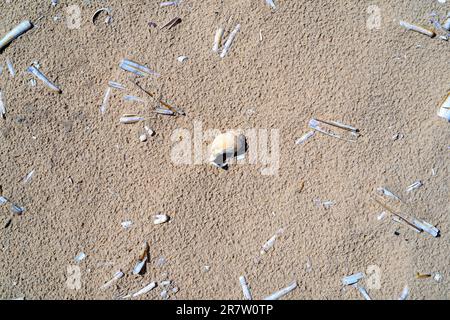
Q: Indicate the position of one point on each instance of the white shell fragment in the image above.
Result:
(229, 41)
(414, 186)
(19, 30)
(29, 176)
(80, 257)
(105, 102)
(227, 146)
(218, 40)
(160, 219)
(2, 106)
(404, 294)
(444, 111)
(130, 118)
(425, 226)
(387, 193)
(416, 28)
(116, 85)
(40, 76)
(144, 290)
(245, 288)
(279, 294)
(119, 274)
(169, 3)
(126, 224)
(17, 209)
(270, 243)
(10, 67)
(363, 291)
(143, 137)
(3, 200)
(139, 265)
(352, 279)
(182, 59)
(271, 4)
(150, 132)
(136, 68)
(446, 24)
(133, 99)
(165, 112)
(305, 137)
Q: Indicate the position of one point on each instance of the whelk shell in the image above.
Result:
(226, 146)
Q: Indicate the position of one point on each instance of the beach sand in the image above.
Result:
(305, 59)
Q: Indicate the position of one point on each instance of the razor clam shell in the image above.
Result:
(387, 193)
(279, 294)
(414, 186)
(17, 209)
(305, 137)
(404, 294)
(145, 290)
(38, 74)
(138, 268)
(119, 274)
(133, 99)
(10, 67)
(229, 41)
(165, 283)
(425, 226)
(245, 288)
(3, 200)
(271, 4)
(116, 85)
(363, 291)
(166, 112)
(352, 279)
(136, 68)
(105, 101)
(419, 29)
(16, 32)
(2, 106)
(446, 24)
(129, 119)
(270, 243)
(29, 176)
(160, 219)
(218, 39)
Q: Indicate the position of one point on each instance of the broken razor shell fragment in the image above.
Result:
(116, 85)
(446, 24)
(19, 30)
(305, 137)
(271, 4)
(323, 127)
(10, 67)
(387, 193)
(160, 219)
(217, 40)
(80, 257)
(404, 294)
(363, 291)
(119, 274)
(146, 289)
(105, 101)
(143, 258)
(414, 186)
(229, 41)
(352, 279)
(279, 294)
(130, 118)
(444, 111)
(165, 112)
(416, 28)
(269, 244)
(136, 68)
(226, 146)
(17, 209)
(133, 99)
(425, 226)
(245, 288)
(2, 106)
(182, 59)
(40, 76)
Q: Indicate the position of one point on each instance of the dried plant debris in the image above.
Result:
(160, 219)
(172, 23)
(230, 41)
(40, 76)
(419, 29)
(444, 111)
(15, 33)
(279, 294)
(326, 127)
(2, 106)
(143, 259)
(119, 274)
(136, 68)
(245, 288)
(423, 275)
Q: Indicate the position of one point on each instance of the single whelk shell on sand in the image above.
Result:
(227, 146)
(245, 288)
(2, 106)
(136, 68)
(40, 76)
(279, 294)
(130, 118)
(19, 30)
(444, 111)
(160, 219)
(229, 41)
(218, 40)
(416, 28)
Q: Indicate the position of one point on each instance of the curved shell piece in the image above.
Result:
(444, 111)
(226, 146)
(19, 30)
